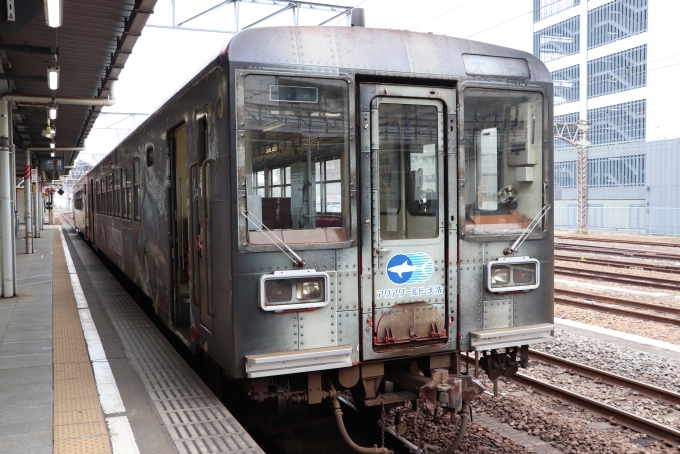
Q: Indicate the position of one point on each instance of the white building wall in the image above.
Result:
(655, 207)
(663, 65)
(663, 70)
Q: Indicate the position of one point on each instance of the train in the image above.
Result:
(330, 209)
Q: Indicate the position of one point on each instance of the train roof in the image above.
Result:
(375, 50)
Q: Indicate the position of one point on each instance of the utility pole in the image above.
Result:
(575, 134)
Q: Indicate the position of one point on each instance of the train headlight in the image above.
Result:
(513, 274)
(500, 276)
(309, 290)
(294, 290)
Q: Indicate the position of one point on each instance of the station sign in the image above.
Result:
(51, 164)
(34, 175)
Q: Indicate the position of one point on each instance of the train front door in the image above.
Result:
(405, 127)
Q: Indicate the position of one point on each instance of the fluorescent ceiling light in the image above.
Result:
(52, 146)
(53, 77)
(53, 112)
(53, 13)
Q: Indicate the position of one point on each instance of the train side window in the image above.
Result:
(110, 195)
(296, 157)
(119, 193)
(149, 156)
(125, 191)
(136, 195)
(104, 195)
(128, 192)
(116, 194)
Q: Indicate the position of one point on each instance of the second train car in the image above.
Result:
(326, 208)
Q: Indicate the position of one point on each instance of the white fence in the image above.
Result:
(635, 218)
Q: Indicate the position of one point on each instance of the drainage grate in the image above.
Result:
(193, 416)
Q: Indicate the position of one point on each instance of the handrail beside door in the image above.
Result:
(190, 194)
(205, 237)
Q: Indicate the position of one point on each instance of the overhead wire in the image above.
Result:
(514, 18)
(443, 14)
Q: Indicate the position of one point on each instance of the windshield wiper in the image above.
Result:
(296, 259)
(530, 228)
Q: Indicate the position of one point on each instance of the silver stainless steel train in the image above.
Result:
(322, 209)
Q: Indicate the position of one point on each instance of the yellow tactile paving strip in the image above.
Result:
(79, 426)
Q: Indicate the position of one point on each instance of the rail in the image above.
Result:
(656, 282)
(655, 392)
(66, 216)
(561, 299)
(610, 240)
(627, 419)
(629, 264)
(624, 252)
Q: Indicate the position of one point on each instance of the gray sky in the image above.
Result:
(163, 60)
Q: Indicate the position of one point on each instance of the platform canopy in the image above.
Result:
(91, 47)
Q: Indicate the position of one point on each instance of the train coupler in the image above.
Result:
(442, 389)
(506, 364)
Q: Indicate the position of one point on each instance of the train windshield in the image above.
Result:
(503, 160)
(296, 156)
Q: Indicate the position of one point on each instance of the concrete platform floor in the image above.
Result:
(83, 369)
(26, 369)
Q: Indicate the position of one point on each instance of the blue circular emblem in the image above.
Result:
(399, 269)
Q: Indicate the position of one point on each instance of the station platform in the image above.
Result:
(84, 370)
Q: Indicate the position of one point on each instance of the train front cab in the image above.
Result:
(382, 224)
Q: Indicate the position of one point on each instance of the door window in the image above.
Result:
(408, 169)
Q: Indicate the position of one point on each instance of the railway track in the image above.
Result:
(622, 252)
(609, 240)
(69, 219)
(629, 264)
(627, 419)
(667, 314)
(645, 281)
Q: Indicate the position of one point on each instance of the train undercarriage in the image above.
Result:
(438, 386)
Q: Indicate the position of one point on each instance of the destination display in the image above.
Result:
(50, 164)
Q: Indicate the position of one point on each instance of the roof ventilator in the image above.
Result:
(358, 19)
